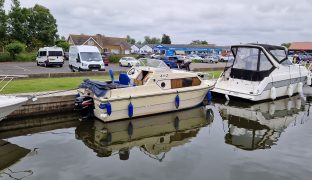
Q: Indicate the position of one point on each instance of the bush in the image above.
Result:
(63, 44)
(15, 48)
(5, 57)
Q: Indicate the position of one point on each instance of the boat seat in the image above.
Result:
(124, 79)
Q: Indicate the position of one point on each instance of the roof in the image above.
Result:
(186, 45)
(101, 40)
(301, 46)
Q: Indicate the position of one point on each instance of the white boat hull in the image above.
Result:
(9, 104)
(147, 105)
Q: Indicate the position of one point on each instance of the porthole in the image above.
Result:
(163, 84)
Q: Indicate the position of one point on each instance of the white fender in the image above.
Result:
(309, 80)
(300, 87)
(273, 93)
(298, 103)
(290, 90)
(289, 104)
(272, 109)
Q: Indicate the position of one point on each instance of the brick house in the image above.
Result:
(112, 45)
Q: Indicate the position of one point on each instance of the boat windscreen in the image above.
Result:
(155, 63)
(279, 55)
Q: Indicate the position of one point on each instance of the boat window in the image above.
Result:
(185, 82)
(265, 64)
(246, 58)
(280, 55)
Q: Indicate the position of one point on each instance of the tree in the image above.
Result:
(42, 25)
(17, 23)
(165, 39)
(3, 25)
(15, 48)
(130, 40)
(139, 42)
(63, 44)
(199, 42)
(149, 40)
(286, 44)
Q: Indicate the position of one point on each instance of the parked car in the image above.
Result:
(105, 59)
(128, 61)
(210, 59)
(195, 57)
(50, 56)
(171, 61)
(184, 58)
(66, 55)
(226, 58)
(85, 58)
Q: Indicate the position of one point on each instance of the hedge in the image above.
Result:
(5, 57)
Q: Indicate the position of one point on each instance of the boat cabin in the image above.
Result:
(254, 62)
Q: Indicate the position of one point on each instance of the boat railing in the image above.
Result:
(6, 79)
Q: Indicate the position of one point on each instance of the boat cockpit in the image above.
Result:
(254, 62)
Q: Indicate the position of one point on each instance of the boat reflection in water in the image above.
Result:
(259, 126)
(153, 135)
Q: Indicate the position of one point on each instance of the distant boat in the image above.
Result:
(8, 104)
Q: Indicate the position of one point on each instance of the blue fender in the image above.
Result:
(130, 110)
(177, 101)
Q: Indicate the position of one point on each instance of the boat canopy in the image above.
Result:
(251, 63)
(155, 63)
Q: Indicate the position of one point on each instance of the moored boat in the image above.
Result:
(261, 72)
(150, 88)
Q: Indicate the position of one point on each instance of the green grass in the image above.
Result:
(46, 84)
(54, 84)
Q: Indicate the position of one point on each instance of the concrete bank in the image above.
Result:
(46, 103)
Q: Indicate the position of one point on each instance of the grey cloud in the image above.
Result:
(221, 22)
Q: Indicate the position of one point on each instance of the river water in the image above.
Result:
(219, 141)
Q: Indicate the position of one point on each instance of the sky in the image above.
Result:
(221, 22)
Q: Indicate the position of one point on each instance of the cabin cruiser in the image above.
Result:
(259, 126)
(8, 104)
(154, 135)
(261, 72)
(150, 88)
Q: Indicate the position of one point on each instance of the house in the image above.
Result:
(147, 49)
(135, 48)
(301, 46)
(112, 45)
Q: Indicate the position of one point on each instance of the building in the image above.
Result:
(301, 46)
(112, 45)
(174, 49)
(148, 49)
(136, 48)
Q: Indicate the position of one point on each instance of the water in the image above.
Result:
(218, 141)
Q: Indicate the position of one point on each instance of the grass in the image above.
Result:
(46, 84)
(54, 84)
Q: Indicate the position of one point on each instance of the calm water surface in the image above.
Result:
(218, 141)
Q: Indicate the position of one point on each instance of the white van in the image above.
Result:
(85, 58)
(49, 56)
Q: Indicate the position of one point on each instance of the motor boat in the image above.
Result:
(259, 126)
(8, 104)
(149, 88)
(261, 72)
(153, 135)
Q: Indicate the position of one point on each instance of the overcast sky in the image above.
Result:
(222, 22)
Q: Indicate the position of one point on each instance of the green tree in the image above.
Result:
(130, 40)
(15, 48)
(17, 23)
(286, 44)
(42, 25)
(149, 40)
(199, 42)
(165, 39)
(3, 25)
(63, 44)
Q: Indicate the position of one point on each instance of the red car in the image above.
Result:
(105, 59)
